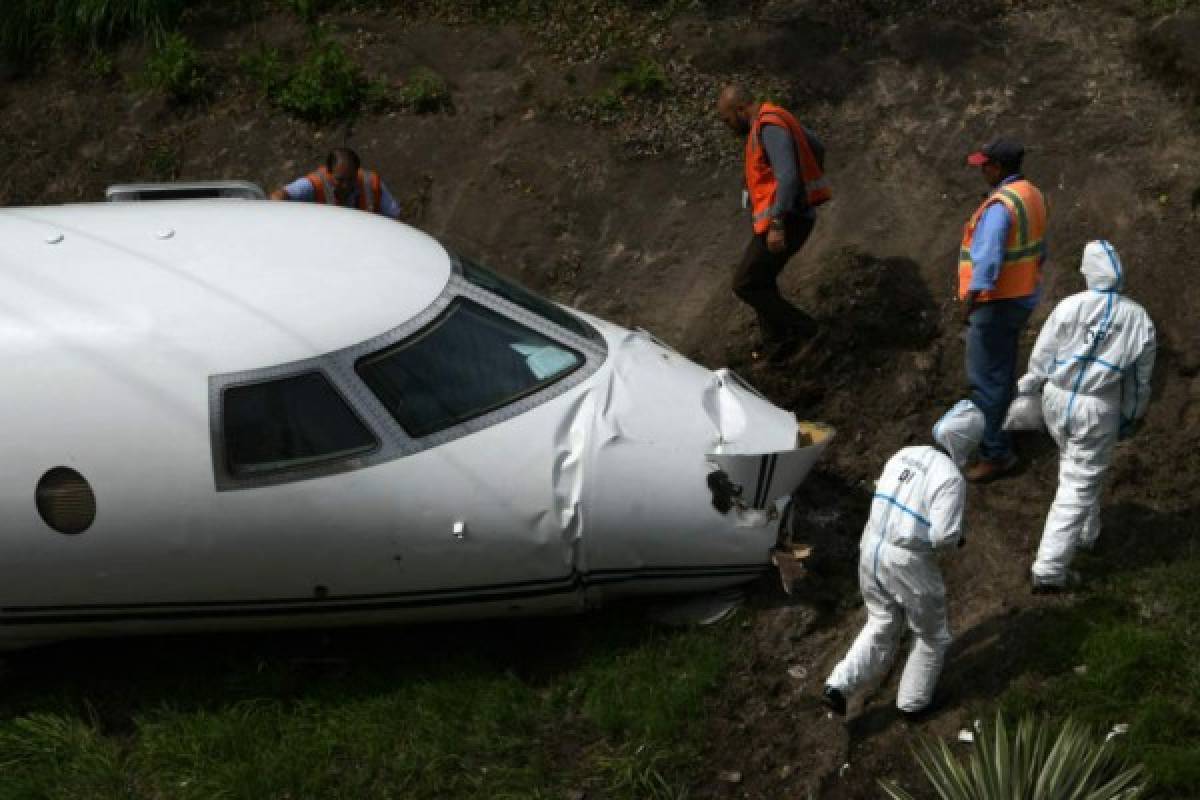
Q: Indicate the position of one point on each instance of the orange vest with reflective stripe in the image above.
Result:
(760, 178)
(1024, 251)
(367, 184)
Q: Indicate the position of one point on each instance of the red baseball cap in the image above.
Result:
(1006, 152)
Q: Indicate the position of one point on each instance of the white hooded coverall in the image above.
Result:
(1092, 360)
(917, 509)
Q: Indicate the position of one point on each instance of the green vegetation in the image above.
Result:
(30, 28)
(162, 162)
(1127, 651)
(645, 78)
(1032, 763)
(267, 68)
(327, 86)
(535, 709)
(101, 65)
(307, 10)
(175, 69)
(426, 92)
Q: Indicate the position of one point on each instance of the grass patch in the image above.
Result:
(31, 28)
(644, 80)
(1135, 661)
(602, 704)
(267, 68)
(326, 86)
(176, 70)
(308, 10)
(426, 92)
(162, 162)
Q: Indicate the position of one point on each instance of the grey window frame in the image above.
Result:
(465, 303)
(394, 443)
(311, 461)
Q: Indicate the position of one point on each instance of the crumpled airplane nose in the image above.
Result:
(673, 474)
(763, 453)
(710, 427)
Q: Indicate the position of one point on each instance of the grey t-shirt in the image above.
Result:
(781, 153)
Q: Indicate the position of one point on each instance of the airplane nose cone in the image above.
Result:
(764, 453)
(658, 396)
(668, 437)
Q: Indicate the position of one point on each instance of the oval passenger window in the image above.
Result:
(65, 501)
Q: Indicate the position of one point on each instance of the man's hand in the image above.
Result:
(969, 305)
(776, 237)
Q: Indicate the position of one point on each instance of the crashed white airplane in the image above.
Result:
(229, 415)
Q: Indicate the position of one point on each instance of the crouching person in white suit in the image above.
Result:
(1092, 363)
(917, 510)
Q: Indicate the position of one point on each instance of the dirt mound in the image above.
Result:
(1171, 50)
(875, 303)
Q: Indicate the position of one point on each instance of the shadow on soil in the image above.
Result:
(986, 659)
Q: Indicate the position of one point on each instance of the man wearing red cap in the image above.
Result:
(999, 283)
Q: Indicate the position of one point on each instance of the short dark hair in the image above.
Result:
(342, 155)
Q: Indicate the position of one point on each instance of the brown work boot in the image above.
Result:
(984, 470)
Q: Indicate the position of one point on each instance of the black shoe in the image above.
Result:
(834, 700)
(920, 715)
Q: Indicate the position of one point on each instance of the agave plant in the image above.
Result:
(1033, 763)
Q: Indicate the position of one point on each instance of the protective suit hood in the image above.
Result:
(1102, 267)
(960, 431)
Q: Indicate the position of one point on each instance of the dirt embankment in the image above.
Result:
(522, 180)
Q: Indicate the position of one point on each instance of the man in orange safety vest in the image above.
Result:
(785, 182)
(999, 283)
(342, 182)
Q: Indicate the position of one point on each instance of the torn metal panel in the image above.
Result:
(761, 479)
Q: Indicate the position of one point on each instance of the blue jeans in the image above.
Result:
(992, 340)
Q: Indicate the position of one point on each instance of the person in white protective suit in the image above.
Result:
(917, 510)
(1092, 363)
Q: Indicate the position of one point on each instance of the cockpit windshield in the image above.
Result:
(469, 361)
(515, 293)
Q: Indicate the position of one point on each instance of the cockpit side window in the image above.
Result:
(467, 362)
(289, 423)
(519, 295)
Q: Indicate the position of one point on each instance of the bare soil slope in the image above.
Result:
(520, 178)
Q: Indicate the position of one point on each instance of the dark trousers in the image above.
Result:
(992, 341)
(754, 282)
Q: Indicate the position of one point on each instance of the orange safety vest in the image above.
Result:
(760, 178)
(1021, 271)
(368, 185)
